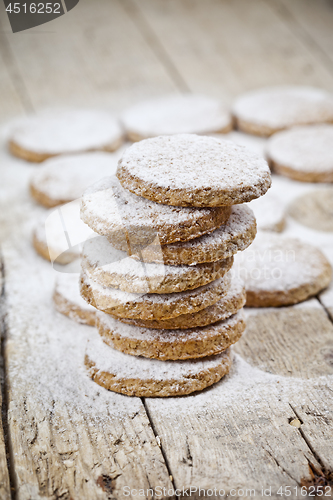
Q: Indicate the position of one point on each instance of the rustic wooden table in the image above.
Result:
(268, 426)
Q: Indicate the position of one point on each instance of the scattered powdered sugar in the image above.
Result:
(65, 178)
(67, 131)
(307, 148)
(277, 263)
(269, 212)
(176, 114)
(194, 162)
(125, 366)
(284, 106)
(124, 330)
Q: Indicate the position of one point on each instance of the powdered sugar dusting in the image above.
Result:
(67, 285)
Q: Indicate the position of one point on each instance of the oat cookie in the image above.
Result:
(171, 344)
(314, 209)
(59, 233)
(191, 170)
(65, 178)
(138, 376)
(152, 306)
(281, 271)
(51, 133)
(113, 268)
(227, 306)
(123, 217)
(234, 236)
(271, 109)
(68, 301)
(175, 114)
(269, 213)
(303, 153)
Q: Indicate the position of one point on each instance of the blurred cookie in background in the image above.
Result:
(175, 114)
(54, 132)
(303, 153)
(271, 109)
(314, 209)
(65, 178)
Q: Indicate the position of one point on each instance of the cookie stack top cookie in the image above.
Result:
(159, 271)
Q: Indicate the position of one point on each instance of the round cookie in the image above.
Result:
(51, 133)
(175, 114)
(281, 271)
(271, 109)
(68, 301)
(269, 213)
(127, 219)
(141, 377)
(191, 170)
(65, 178)
(314, 210)
(171, 344)
(113, 268)
(152, 306)
(234, 236)
(227, 306)
(303, 153)
(59, 234)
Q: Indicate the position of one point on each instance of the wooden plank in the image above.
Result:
(326, 298)
(224, 48)
(240, 433)
(5, 492)
(312, 21)
(90, 56)
(68, 437)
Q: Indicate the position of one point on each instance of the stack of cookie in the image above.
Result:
(159, 269)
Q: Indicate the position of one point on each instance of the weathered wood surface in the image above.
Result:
(65, 440)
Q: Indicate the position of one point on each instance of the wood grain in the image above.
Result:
(68, 437)
(326, 298)
(290, 341)
(5, 492)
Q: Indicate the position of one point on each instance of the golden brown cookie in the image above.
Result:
(193, 171)
(271, 109)
(314, 210)
(68, 301)
(171, 344)
(280, 271)
(65, 178)
(138, 376)
(175, 114)
(227, 306)
(53, 133)
(123, 217)
(303, 153)
(234, 236)
(113, 268)
(152, 306)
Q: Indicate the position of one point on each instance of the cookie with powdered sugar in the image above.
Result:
(227, 306)
(113, 268)
(233, 236)
(51, 133)
(280, 271)
(126, 219)
(314, 209)
(152, 306)
(193, 171)
(171, 344)
(65, 178)
(138, 376)
(303, 153)
(68, 301)
(175, 114)
(271, 109)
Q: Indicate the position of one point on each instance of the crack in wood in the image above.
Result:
(280, 466)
